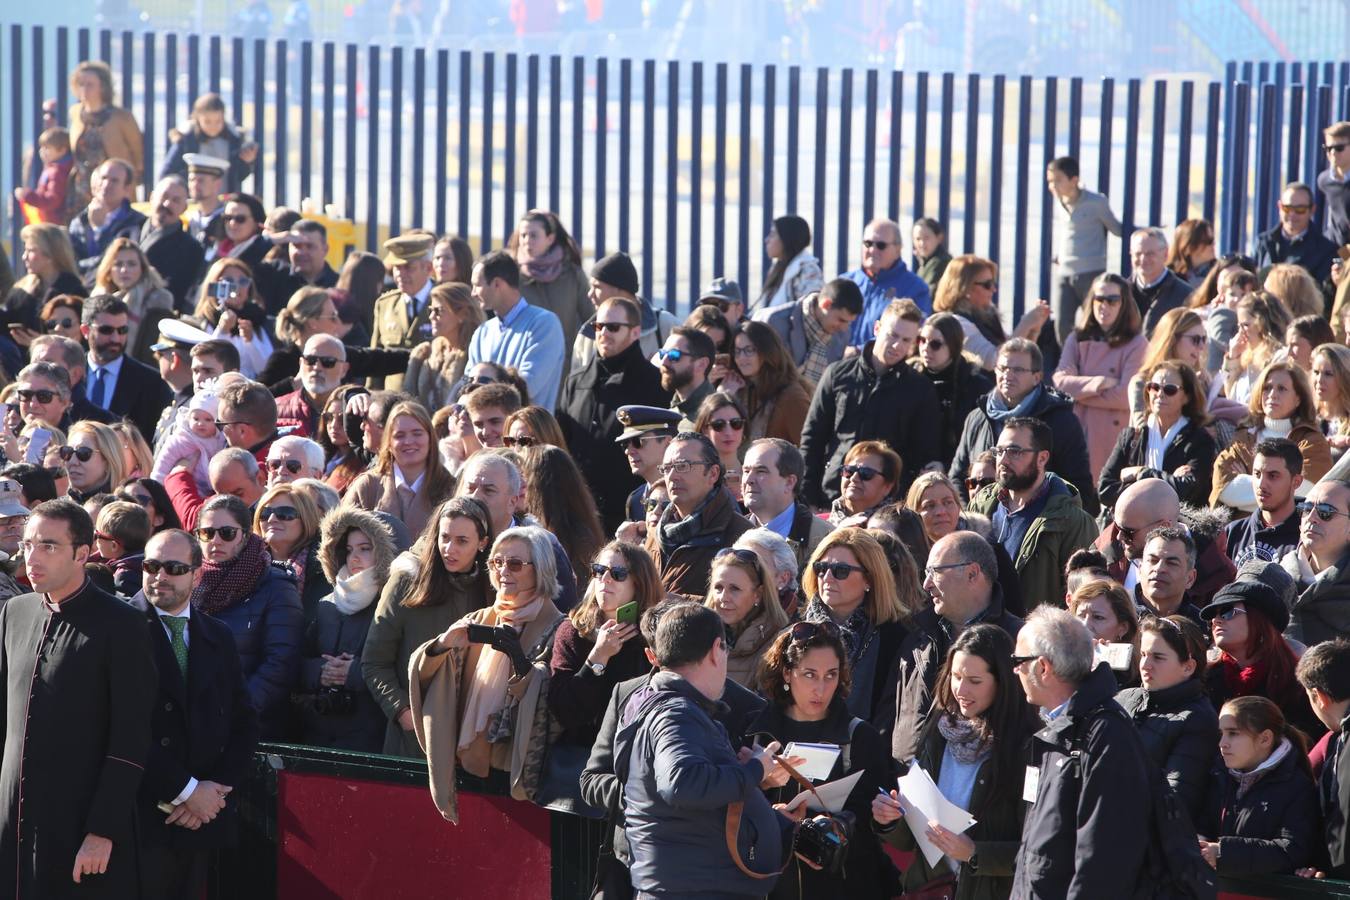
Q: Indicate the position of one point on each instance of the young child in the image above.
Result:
(49, 197)
(208, 133)
(196, 437)
(1262, 809)
(1324, 673)
(121, 532)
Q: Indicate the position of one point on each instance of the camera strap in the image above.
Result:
(736, 809)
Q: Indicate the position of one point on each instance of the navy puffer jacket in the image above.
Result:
(267, 631)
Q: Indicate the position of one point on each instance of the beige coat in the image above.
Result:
(744, 659)
(377, 493)
(433, 369)
(437, 688)
(1085, 370)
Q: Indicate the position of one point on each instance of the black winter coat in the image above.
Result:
(854, 403)
(868, 872)
(959, 388)
(1333, 792)
(346, 718)
(1192, 447)
(1087, 834)
(1068, 459)
(1274, 828)
(588, 415)
(1180, 731)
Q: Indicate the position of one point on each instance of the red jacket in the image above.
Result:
(49, 197)
(187, 500)
(296, 416)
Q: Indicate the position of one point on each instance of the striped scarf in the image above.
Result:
(817, 343)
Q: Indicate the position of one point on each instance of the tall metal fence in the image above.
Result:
(685, 166)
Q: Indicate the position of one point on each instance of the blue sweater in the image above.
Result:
(529, 339)
(890, 284)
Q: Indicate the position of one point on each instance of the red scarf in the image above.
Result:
(228, 584)
(1247, 680)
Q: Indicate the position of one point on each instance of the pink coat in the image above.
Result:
(1104, 412)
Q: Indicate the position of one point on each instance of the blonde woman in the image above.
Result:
(137, 460)
(93, 458)
(50, 260)
(126, 272)
(436, 366)
(1296, 288)
(1262, 320)
(407, 479)
(229, 308)
(1181, 334)
(966, 290)
(288, 520)
(850, 583)
(744, 595)
(1331, 390)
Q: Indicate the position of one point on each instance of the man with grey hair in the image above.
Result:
(232, 471)
(291, 458)
(962, 578)
(1157, 289)
(43, 392)
(62, 351)
(403, 315)
(1086, 832)
(108, 216)
(323, 366)
(883, 277)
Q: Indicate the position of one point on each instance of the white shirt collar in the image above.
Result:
(113, 368)
(400, 481)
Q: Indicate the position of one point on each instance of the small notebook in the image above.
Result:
(819, 759)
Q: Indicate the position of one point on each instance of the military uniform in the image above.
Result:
(181, 337)
(644, 421)
(394, 327)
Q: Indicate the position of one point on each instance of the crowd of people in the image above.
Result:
(1090, 573)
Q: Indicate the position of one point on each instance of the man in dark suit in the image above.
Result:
(1157, 289)
(116, 382)
(175, 255)
(204, 728)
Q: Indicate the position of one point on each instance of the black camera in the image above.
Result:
(824, 842)
(333, 701)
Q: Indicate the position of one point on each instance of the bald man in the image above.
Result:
(1152, 503)
(323, 366)
(883, 277)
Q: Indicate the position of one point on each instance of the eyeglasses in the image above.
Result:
(1228, 614)
(327, 362)
(235, 220)
(805, 631)
(83, 454)
(934, 344)
(1334, 148)
(1197, 340)
(618, 573)
(862, 473)
(675, 355)
(222, 425)
(1001, 369)
(987, 284)
(974, 484)
(172, 566)
(290, 465)
(280, 513)
(681, 466)
(1108, 299)
(931, 571)
(876, 245)
(636, 441)
(1020, 661)
(45, 548)
(52, 325)
(746, 352)
(652, 503)
(749, 557)
(109, 330)
(1010, 450)
(523, 441)
(840, 570)
(40, 395)
(1169, 390)
(1298, 209)
(611, 327)
(510, 564)
(720, 425)
(226, 532)
(1325, 511)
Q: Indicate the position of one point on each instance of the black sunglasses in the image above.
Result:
(226, 532)
(1108, 299)
(52, 325)
(862, 473)
(83, 454)
(876, 245)
(1169, 390)
(327, 362)
(281, 513)
(611, 327)
(235, 220)
(523, 441)
(1325, 511)
(41, 395)
(840, 570)
(974, 484)
(173, 567)
(1022, 660)
(107, 330)
(1334, 148)
(934, 344)
(290, 465)
(655, 503)
(618, 573)
(720, 425)
(635, 442)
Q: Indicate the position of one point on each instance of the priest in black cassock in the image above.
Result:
(79, 682)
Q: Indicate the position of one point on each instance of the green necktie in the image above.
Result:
(176, 626)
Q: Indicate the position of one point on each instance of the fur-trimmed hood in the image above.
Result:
(342, 520)
(1204, 521)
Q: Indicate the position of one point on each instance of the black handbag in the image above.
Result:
(560, 782)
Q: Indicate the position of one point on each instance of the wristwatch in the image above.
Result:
(974, 862)
(597, 668)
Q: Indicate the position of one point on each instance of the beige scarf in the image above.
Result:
(487, 690)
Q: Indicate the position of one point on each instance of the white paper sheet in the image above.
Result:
(817, 759)
(924, 803)
(833, 794)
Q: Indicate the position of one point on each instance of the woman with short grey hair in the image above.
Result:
(781, 561)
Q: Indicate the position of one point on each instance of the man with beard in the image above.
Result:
(1272, 530)
(685, 360)
(1036, 515)
(323, 365)
(1320, 566)
(117, 383)
(170, 249)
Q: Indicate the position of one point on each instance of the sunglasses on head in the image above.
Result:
(290, 465)
(840, 570)
(172, 566)
(749, 557)
(1325, 511)
(280, 513)
(805, 631)
(618, 573)
(611, 327)
(720, 425)
(40, 395)
(327, 362)
(862, 473)
(523, 441)
(226, 532)
(52, 325)
(109, 330)
(83, 454)
(510, 564)
(1169, 390)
